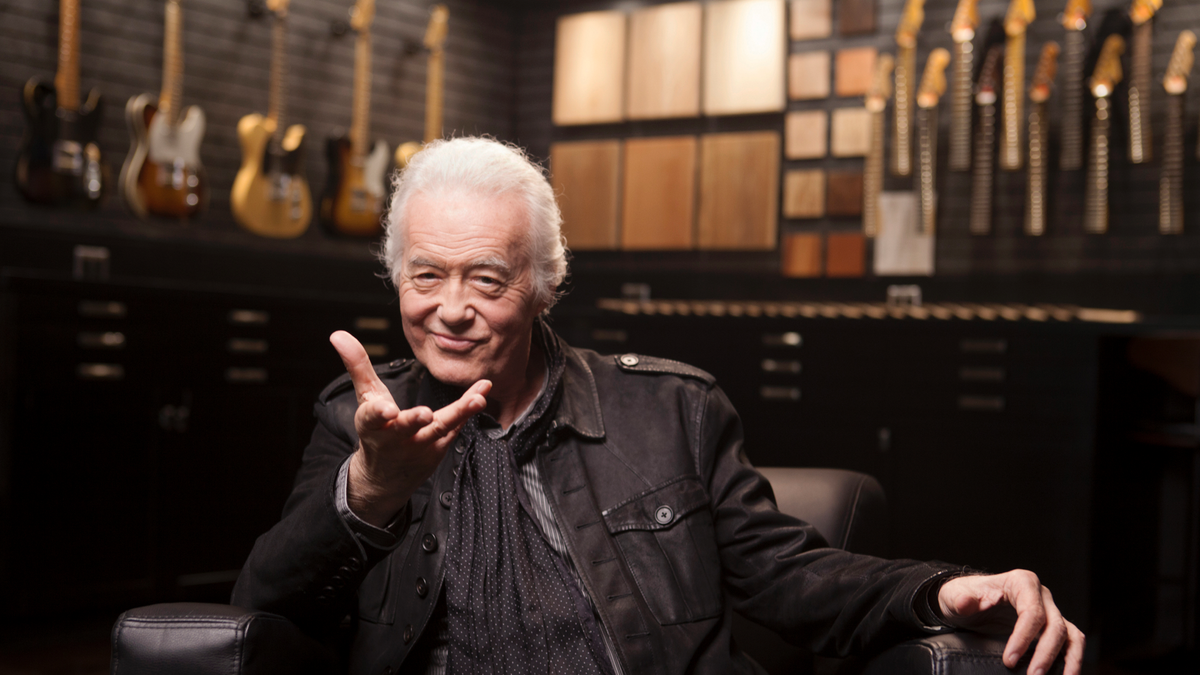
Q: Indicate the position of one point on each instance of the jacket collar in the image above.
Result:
(579, 407)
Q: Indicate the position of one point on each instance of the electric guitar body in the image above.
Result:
(162, 174)
(270, 195)
(59, 162)
(357, 190)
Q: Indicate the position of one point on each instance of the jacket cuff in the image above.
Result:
(925, 600)
(385, 538)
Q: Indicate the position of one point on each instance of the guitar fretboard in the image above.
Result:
(981, 177)
(1071, 81)
(434, 94)
(906, 64)
(1140, 139)
(873, 176)
(1014, 99)
(1096, 200)
(1170, 184)
(360, 124)
(927, 167)
(960, 107)
(66, 79)
(1035, 198)
(277, 108)
(171, 97)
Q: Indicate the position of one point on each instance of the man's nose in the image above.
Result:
(455, 306)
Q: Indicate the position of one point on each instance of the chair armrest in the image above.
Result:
(949, 654)
(191, 638)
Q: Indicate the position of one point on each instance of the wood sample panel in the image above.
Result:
(811, 19)
(659, 193)
(845, 195)
(855, 70)
(856, 17)
(589, 68)
(801, 255)
(739, 191)
(808, 75)
(807, 132)
(744, 56)
(845, 255)
(664, 61)
(585, 176)
(851, 133)
(804, 194)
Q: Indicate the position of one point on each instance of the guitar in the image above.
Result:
(162, 174)
(1170, 184)
(933, 84)
(1020, 14)
(985, 142)
(354, 198)
(876, 104)
(1104, 80)
(962, 31)
(435, 70)
(906, 66)
(270, 195)
(1074, 20)
(1141, 45)
(1039, 140)
(58, 161)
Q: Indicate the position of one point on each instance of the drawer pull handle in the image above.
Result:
(372, 323)
(249, 317)
(983, 346)
(110, 340)
(246, 375)
(105, 372)
(246, 346)
(981, 403)
(775, 366)
(780, 393)
(981, 374)
(376, 350)
(609, 335)
(789, 339)
(102, 309)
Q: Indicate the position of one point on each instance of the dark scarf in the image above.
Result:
(511, 603)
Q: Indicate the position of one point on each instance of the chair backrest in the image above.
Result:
(848, 508)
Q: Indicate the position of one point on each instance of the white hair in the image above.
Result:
(485, 167)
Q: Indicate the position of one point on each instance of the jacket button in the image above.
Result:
(422, 588)
(630, 360)
(446, 498)
(462, 446)
(664, 514)
(387, 671)
(408, 633)
(429, 543)
(354, 564)
(338, 581)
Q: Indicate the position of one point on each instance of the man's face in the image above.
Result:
(466, 291)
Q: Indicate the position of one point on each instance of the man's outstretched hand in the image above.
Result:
(398, 449)
(1014, 601)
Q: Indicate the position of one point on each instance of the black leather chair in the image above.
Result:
(848, 508)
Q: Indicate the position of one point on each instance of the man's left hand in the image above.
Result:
(1014, 601)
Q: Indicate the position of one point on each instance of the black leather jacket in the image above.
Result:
(672, 532)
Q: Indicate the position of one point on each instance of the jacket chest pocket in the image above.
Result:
(666, 535)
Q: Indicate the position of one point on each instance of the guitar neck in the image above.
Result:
(66, 79)
(277, 108)
(1140, 139)
(1014, 100)
(873, 176)
(1035, 197)
(960, 106)
(981, 178)
(434, 93)
(927, 167)
(1096, 200)
(906, 66)
(1170, 185)
(170, 99)
(1074, 51)
(360, 125)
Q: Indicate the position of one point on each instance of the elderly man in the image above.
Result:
(509, 504)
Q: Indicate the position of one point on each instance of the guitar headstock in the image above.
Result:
(989, 75)
(910, 23)
(1075, 16)
(933, 82)
(881, 85)
(1020, 14)
(435, 33)
(278, 7)
(1043, 77)
(966, 18)
(1108, 67)
(362, 15)
(1142, 11)
(1180, 66)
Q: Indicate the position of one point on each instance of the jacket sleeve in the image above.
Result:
(780, 573)
(308, 567)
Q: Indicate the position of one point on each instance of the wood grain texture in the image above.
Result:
(589, 68)
(854, 71)
(845, 254)
(804, 194)
(811, 19)
(851, 133)
(856, 17)
(845, 193)
(808, 75)
(585, 176)
(807, 133)
(801, 255)
(739, 191)
(664, 61)
(659, 209)
(744, 49)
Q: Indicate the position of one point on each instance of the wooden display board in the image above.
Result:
(851, 134)
(854, 71)
(845, 255)
(744, 54)
(739, 191)
(664, 61)
(808, 75)
(804, 193)
(845, 193)
(801, 255)
(589, 68)
(807, 133)
(659, 193)
(811, 19)
(585, 176)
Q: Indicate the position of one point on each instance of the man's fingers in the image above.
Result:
(1025, 596)
(453, 416)
(375, 414)
(1076, 641)
(358, 364)
(1053, 637)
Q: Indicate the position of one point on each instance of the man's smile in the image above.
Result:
(452, 343)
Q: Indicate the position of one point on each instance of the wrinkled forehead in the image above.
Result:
(460, 223)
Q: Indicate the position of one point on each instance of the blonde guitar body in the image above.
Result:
(162, 174)
(270, 195)
(353, 203)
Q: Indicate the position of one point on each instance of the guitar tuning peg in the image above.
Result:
(338, 28)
